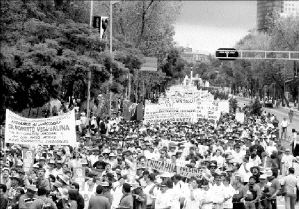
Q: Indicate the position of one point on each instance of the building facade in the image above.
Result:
(267, 9)
(290, 8)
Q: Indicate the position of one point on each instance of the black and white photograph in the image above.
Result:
(149, 104)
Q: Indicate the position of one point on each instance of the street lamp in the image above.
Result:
(111, 54)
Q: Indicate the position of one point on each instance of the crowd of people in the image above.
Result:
(239, 165)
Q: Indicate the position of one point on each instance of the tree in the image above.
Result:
(174, 65)
(46, 53)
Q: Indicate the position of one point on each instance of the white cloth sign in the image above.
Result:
(58, 130)
(240, 117)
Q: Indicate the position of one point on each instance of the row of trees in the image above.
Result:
(47, 49)
(264, 77)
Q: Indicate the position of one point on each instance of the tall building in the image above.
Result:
(290, 8)
(266, 9)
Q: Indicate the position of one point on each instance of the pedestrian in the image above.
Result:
(127, 199)
(284, 125)
(98, 201)
(291, 115)
(290, 184)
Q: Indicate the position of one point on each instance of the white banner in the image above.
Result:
(240, 117)
(185, 104)
(58, 130)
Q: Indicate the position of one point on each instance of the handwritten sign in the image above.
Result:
(169, 167)
(28, 159)
(58, 130)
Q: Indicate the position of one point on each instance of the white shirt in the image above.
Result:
(287, 160)
(146, 191)
(229, 191)
(164, 200)
(284, 123)
(256, 162)
(193, 202)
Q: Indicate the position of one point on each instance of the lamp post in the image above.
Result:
(111, 54)
(89, 71)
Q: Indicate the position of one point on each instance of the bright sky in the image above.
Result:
(209, 25)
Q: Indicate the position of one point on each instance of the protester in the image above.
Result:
(290, 184)
(175, 165)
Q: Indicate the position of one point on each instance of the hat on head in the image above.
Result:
(112, 155)
(255, 167)
(16, 176)
(64, 178)
(104, 184)
(106, 151)
(57, 184)
(32, 187)
(5, 168)
(51, 161)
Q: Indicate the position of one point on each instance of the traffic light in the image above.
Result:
(227, 54)
(101, 22)
(104, 26)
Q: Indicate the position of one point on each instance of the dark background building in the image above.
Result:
(265, 10)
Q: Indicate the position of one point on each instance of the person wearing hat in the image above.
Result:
(112, 159)
(28, 198)
(64, 179)
(253, 193)
(58, 170)
(4, 177)
(107, 190)
(165, 199)
(139, 198)
(50, 169)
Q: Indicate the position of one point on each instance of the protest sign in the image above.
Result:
(169, 167)
(184, 104)
(28, 159)
(79, 176)
(58, 130)
(240, 117)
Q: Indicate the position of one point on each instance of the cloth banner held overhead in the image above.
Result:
(169, 167)
(57, 130)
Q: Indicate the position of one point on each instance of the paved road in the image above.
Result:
(280, 114)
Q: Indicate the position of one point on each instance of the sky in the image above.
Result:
(208, 25)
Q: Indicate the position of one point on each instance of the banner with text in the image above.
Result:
(185, 104)
(57, 130)
(169, 167)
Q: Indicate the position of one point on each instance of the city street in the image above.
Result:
(280, 113)
(116, 103)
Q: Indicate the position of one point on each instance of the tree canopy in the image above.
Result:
(47, 48)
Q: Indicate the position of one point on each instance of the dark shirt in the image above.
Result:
(99, 202)
(3, 202)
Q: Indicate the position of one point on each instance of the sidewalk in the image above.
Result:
(291, 104)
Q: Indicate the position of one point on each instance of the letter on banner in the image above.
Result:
(58, 130)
